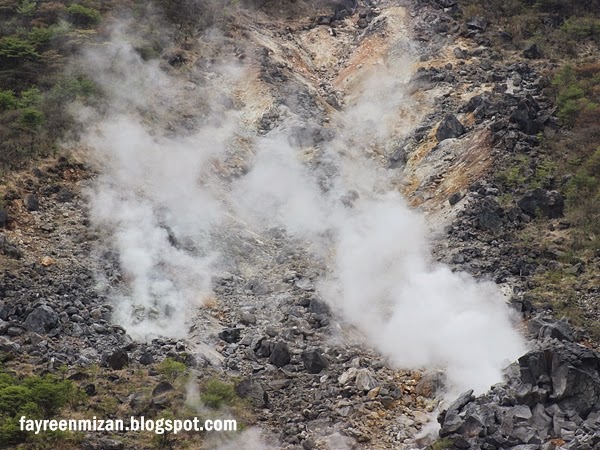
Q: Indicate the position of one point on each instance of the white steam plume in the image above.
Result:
(157, 192)
(162, 201)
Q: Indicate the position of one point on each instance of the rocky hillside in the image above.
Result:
(485, 126)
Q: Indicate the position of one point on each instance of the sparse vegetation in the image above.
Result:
(557, 26)
(216, 393)
(35, 43)
(83, 16)
(34, 397)
(170, 369)
(441, 444)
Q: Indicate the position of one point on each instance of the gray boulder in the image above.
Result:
(41, 320)
(32, 203)
(162, 388)
(477, 24)
(314, 361)
(280, 356)
(254, 391)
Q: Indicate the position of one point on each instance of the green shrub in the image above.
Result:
(170, 369)
(26, 7)
(217, 393)
(83, 16)
(580, 28)
(572, 94)
(7, 100)
(69, 88)
(32, 118)
(441, 444)
(13, 48)
(33, 397)
(515, 175)
(30, 98)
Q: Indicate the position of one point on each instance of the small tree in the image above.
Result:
(32, 120)
(8, 100)
(13, 49)
(26, 7)
(83, 16)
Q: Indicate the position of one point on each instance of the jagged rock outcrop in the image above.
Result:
(538, 202)
(450, 127)
(551, 399)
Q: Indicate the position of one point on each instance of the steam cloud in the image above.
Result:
(162, 202)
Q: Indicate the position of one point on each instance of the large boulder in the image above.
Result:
(280, 356)
(365, 381)
(525, 116)
(264, 347)
(254, 391)
(487, 213)
(314, 361)
(477, 24)
(32, 203)
(450, 127)
(230, 335)
(543, 327)
(118, 359)
(541, 202)
(162, 388)
(65, 196)
(41, 320)
(532, 51)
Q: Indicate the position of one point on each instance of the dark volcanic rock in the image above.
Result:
(455, 198)
(253, 391)
(532, 51)
(317, 306)
(549, 204)
(450, 127)
(41, 320)
(161, 388)
(548, 327)
(230, 335)
(553, 392)
(64, 195)
(280, 356)
(525, 116)
(32, 203)
(3, 218)
(264, 348)
(460, 53)
(118, 359)
(146, 359)
(314, 361)
(488, 214)
(477, 24)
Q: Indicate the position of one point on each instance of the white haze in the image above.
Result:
(154, 187)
